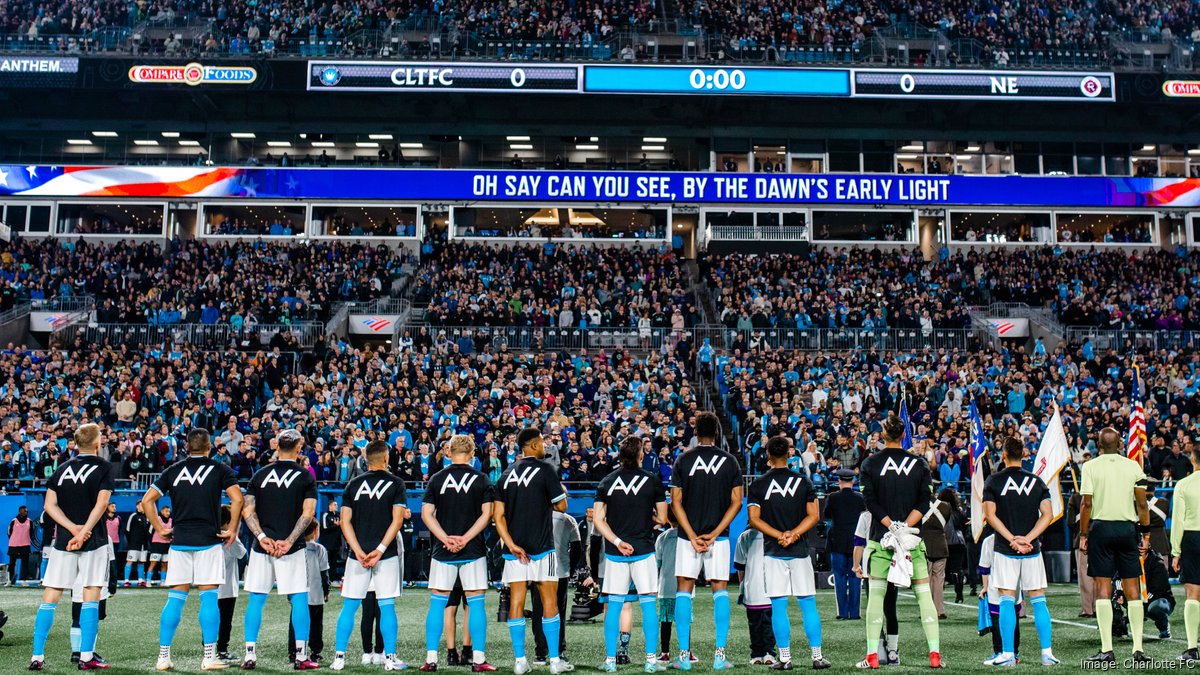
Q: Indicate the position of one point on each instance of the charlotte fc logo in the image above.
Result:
(330, 76)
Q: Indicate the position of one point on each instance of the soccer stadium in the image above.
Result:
(541, 337)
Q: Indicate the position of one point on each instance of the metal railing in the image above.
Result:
(815, 339)
(535, 337)
(143, 481)
(758, 232)
(19, 311)
(1125, 340)
(212, 336)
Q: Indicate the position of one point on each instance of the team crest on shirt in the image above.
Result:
(198, 478)
(901, 468)
(77, 477)
(524, 479)
(1025, 488)
(787, 489)
(462, 485)
(711, 467)
(371, 491)
(283, 481)
(633, 487)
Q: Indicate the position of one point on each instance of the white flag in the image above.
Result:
(1052, 456)
(977, 517)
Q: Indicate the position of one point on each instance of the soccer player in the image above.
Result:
(783, 506)
(77, 496)
(1185, 550)
(706, 495)
(137, 539)
(280, 503)
(529, 491)
(748, 561)
(195, 487)
(629, 502)
(372, 514)
(1110, 518)
(896, 486)
(1016, 504)
(457, 508)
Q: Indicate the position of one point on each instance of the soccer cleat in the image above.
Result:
(561, 666)
(935, 660)
(74, 658)
(163, 663)
(37, 665)
(821, 664)
(520, 667)
(366, 659)
(1049, 660)
(720, 663)
(869, 663)
(991, 661)
(224, 656)
(484, 667)
(1164, 634)
(1190, 656)
(782, 665)
(339, 662)
(622, 658)
(541, 660)
(428, 667)
(684, 662)
(893, 657)
(1003, 661)
(305, 664)
(377, 659)
(1140, 659)
(94, 664)
(249, 663)
(608, 666)
(215, 663)
(1101, 658)
(452, 657)
(653, 667)
(390, 662)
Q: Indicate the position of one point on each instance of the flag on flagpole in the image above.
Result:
(1052, 456)
(1136, 446)
(906, 441)
(978, 448)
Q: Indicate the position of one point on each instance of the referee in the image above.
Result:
(1185, 547)
(1114, 523)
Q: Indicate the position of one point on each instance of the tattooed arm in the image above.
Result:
(297, 534)
(250, 517)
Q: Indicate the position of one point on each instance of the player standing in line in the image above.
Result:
(76, 498)
(1185, 549)
(137, 539)
(1113, 523)
(457, 509)
(783, 506)
(629, 503)
(1016, 504)
(529, 491)
(897, 487)
(280, 503)
(706, 495)
(373, 507)
(195, 487)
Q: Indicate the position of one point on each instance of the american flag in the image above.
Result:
(1137, 423)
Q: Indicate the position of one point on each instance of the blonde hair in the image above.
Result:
(86, 436)
(462, 444)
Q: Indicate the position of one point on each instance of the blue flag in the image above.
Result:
(984, 622)
(978, 437)
(906, 442)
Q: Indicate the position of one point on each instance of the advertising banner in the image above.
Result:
(38, 71)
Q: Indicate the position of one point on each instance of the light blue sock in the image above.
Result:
(612, 624)
(128, 567)
(210, 615)
(650, 623)
(812, 619)
(89, 626)
(18, 570)
(387, 624)
(345, 623)
(780, 624)
(41, 628)
(477, 624)
(1008, 623)
(516, 633)
(721, 610)
(76, 639)
(1041, 620)
(435, 619)
(551, 629)
(168, 621)
(300, 620)
(42, 571)
(683, 620)
(254, 616)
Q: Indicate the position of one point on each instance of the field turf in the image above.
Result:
(129, 636)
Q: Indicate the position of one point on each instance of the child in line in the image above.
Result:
(987, 551)
(748, 561)
(227, 594)
(316, 558)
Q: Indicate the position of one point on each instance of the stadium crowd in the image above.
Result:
(240, 283)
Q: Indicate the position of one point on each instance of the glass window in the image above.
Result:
(366, 221)
(999, 227)
(135, 219)
(267, 220)
(876, 225)
(1124, 228)
(560, 223)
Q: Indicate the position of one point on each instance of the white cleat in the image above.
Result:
(213, 664)
(390, 662)
(520, 667)
(561, 666)
(377, 659)
(339, 662)
(366, 659)
(163, 664)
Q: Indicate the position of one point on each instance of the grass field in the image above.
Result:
(129, 636)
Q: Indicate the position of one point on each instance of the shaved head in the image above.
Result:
(1109, 441)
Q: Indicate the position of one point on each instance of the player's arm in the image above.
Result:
(755, 521)
(1085, 519)
(307, 515)
(660, 513)
(506, 537)
(93, 519)
(347, 525)
(250, 517)
(1143, 510)
(735, 507)
(990, 517)
(399, 513)
(1045, 514)
(236, 501)
(685, 525)
(811, 517)
(601, 525)
(150, 507)
(56, 513)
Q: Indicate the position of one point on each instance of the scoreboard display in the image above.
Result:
(991, 85)
(431, 76)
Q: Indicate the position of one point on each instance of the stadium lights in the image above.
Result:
(412, 145)
(279, 144)
(593, 138)
(912, 147)
(78, 141)
(654, 147)
(242, 134)
(143, 141)
(516, 138)
(380, 137)
(906, 156)
(1194, 152)
(521, 146)
(587, 146)
(323, 144)
(170, 134)
(190, 144)
(972, 148)
(1148, 148)
(654, 139)
(367, 144)
(104, 134)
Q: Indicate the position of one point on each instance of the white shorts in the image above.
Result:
(473, 575)
(714, 561)
(383, 578)
(536, 570)
(1027, 573)
(643, 574)
(160, 557)
(288, 574)
(205, 567)
(77, 589)
(787, 577)
(137, 555)
(67, 568)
